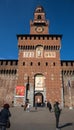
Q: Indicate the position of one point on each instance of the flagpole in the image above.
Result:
(70, 97)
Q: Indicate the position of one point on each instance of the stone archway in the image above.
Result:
(38, 98)
(39, 84)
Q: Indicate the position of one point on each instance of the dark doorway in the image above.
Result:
(38, 98)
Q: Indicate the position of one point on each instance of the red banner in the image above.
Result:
(20, 90)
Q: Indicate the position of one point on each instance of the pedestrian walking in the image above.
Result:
(4, 117)
(28, 107)
(57, 112)
(46, 103)
(25, 106)
(35, 105)
(49, 106)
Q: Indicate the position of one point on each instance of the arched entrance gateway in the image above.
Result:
(38, 98)
(39, 89)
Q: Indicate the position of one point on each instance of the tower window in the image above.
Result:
(21, 38)
(53, 63)
(38, 63)
(39, 10)
(39, 17)
(46, 63)
(31, 63)
(23, 63)
(1, 62)
(6, 63)
(71, 63)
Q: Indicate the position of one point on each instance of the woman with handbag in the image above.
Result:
(4, 117)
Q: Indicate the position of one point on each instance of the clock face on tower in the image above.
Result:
(39, 29)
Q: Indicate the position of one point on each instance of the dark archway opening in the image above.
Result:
(38, 99)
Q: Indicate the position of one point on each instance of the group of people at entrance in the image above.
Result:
(56, 109)
(5, 113)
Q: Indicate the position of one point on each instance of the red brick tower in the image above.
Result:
(39, 25)
(39, 70)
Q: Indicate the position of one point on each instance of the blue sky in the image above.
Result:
(15, 16)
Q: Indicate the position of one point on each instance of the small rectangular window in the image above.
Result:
(53, 63)
(38, 63)
(6, 63)
(23, 63)
(46, 63)
(1, 62)
(31, 63)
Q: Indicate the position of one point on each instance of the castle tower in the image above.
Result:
(39, 70)
(39, 25)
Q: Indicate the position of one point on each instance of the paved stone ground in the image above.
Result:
(41, 119)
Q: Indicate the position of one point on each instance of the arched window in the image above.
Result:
(39, 17)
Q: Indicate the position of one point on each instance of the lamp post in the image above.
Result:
(27, 88)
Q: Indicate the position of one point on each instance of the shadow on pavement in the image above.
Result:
(33, 111)
(65, 125)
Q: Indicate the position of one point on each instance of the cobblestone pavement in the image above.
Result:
(41, 119)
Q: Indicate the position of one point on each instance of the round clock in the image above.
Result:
(39, 29)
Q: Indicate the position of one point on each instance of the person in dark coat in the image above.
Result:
(4, 116)
(57, 111)
(35, 105)
(25, 106)
(49, 106)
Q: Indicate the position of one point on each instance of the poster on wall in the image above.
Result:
(20, 90)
